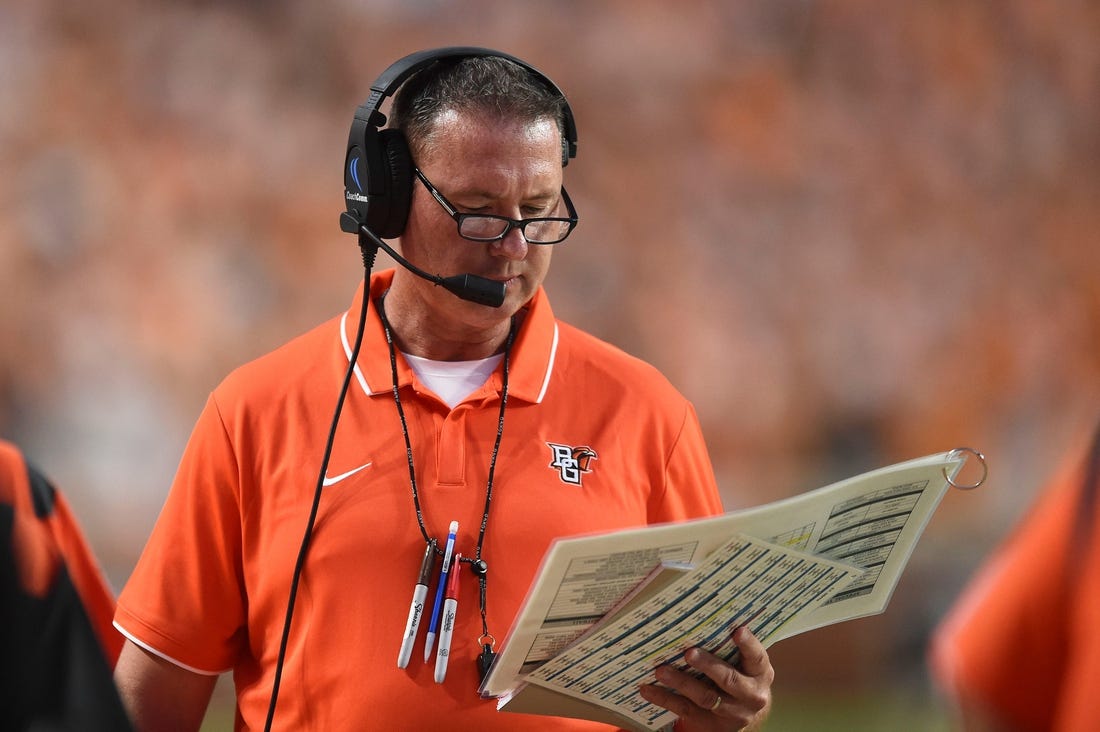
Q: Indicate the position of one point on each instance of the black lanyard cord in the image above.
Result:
(478, 565)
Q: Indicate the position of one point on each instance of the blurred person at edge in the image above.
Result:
(56, 639)
(589, 439)
(1020, 649)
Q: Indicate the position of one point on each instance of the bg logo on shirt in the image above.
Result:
(571, 462)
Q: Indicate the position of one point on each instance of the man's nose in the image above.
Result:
(512, 245)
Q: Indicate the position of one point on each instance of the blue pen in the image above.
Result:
(433, 624)
(450, 611)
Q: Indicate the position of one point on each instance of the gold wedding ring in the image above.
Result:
(717, 703)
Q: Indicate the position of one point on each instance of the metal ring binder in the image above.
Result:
(966, 486)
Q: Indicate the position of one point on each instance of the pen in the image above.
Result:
(433, 625)
(416, 610)
(450, 609)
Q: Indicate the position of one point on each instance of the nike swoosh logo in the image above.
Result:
(337, 478)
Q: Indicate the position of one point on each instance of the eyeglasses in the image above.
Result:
(487, 227)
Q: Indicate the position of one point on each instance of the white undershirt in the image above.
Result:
(453, 381)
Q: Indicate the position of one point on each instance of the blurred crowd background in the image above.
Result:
(852, 232)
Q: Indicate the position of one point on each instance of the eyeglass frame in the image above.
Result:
(520, 224)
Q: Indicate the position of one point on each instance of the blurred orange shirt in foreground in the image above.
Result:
(1021, 647)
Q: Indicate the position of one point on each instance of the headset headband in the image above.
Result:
(390, 80)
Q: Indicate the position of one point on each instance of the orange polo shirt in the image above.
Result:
(593, 440)
(1021, 645)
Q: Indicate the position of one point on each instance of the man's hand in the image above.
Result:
(729, 698)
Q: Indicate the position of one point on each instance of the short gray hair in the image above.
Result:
(488, 85)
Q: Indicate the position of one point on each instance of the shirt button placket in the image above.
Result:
(452, 447)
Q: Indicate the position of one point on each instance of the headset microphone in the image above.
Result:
(469, 287)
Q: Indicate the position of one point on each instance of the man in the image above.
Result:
(515, 425)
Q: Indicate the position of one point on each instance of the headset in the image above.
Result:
(378, 168)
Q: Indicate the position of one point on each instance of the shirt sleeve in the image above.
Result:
(184, 600)
(690, 489)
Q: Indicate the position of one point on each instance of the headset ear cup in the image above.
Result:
(390, 218)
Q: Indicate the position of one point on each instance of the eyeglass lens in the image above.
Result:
(491, 227)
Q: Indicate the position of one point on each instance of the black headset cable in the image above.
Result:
(369, 250)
